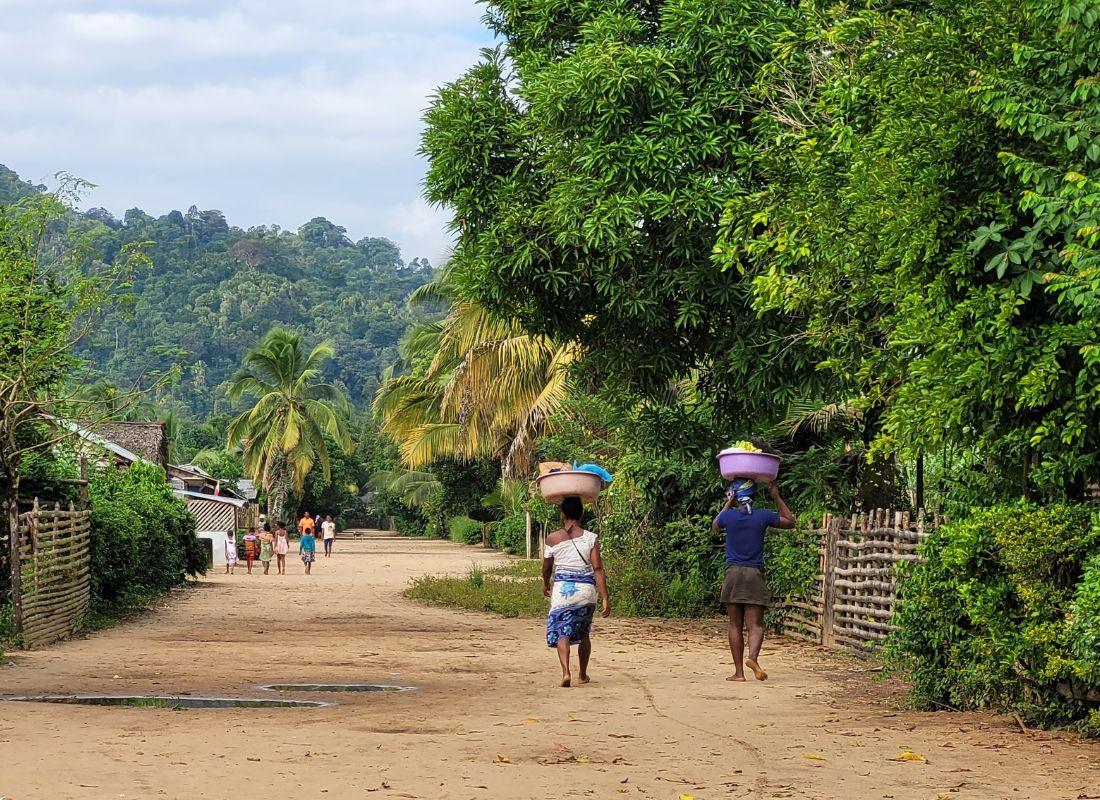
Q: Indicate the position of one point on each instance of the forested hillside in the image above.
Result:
(214, 291)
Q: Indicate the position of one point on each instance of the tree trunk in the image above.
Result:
(920, 482)
(276, 493)
(876, 480)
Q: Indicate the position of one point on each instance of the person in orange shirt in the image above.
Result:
(305, 524)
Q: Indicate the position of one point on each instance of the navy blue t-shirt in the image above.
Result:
(745, 534)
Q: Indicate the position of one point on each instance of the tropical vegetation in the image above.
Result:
(867, 235)
(283, 434)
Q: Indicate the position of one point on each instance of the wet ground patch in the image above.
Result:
(163, 701)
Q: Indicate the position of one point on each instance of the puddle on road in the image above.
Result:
(154, 701)
(335, 687)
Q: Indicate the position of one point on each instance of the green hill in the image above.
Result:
(215, 290)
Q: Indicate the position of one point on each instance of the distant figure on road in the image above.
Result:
(572, 558)
(307, 549)
(267, 547)
(251, 548)
(230, 552)
(282, 547)
(305, 524)
(328, 534)
(744, 592)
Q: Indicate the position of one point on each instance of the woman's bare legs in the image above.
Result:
(736, 613)
(563, 656)
(584, 652)
(754, 618)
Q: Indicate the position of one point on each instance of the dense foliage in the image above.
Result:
(885, 208)
(1003, 614)
(868, 233)
(143, 538)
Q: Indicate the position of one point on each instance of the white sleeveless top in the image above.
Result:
(567, 553)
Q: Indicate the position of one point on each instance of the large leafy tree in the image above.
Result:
(282, 436)
(587, 161)
(929, 218)
(53, 292)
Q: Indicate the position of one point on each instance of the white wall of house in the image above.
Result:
(216, 540)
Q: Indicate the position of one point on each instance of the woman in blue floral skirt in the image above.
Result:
(572, 559)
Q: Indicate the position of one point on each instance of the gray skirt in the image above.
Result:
(745, 585)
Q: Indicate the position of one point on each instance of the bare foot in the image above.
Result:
(583, 679)
(757, 670)
(739, 677)
(565, 682)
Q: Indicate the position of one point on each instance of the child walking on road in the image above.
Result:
(251, 548)
(267, 547)
(282, 547)
(307, 549)
(230, 552)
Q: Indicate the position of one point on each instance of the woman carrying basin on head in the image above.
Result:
(572, 559)
(745, 594)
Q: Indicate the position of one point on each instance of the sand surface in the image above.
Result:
(486, 719)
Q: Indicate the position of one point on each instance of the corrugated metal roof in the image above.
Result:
(214, 498)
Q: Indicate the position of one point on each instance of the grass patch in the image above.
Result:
(520, 569)
(482, 591)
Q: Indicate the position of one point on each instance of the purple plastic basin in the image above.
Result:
(760, 467)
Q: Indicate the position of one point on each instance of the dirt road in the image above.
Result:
(486, 719)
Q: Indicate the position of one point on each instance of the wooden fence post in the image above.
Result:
(16, 569)
(828, 584)
(527, 538)
(84, 483)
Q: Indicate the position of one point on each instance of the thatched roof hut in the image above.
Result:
(148, 440)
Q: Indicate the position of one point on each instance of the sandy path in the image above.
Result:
(487, 720)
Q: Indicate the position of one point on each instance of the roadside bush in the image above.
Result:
(142, 540)
(509, 535)
(464, 530)
(1005, 613)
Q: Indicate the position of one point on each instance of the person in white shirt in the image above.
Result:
(572, 559)
(328, 534)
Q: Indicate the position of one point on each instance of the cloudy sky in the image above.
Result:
(274, 111)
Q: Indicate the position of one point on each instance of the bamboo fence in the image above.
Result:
(53, 586)
(859, 565)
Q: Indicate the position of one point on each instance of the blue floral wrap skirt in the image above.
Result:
(572, 607)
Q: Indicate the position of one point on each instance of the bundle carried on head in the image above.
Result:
(560, 481)
(747, 460)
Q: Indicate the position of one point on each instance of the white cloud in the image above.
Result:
(273, 111)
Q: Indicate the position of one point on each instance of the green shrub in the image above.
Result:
(142, 539)
(464, 530)
(1005, 613)
(510, 535)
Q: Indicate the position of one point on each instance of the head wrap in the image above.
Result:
(744, 490)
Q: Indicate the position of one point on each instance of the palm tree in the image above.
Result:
(413, 487)
(488, 387)
(283, 435)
